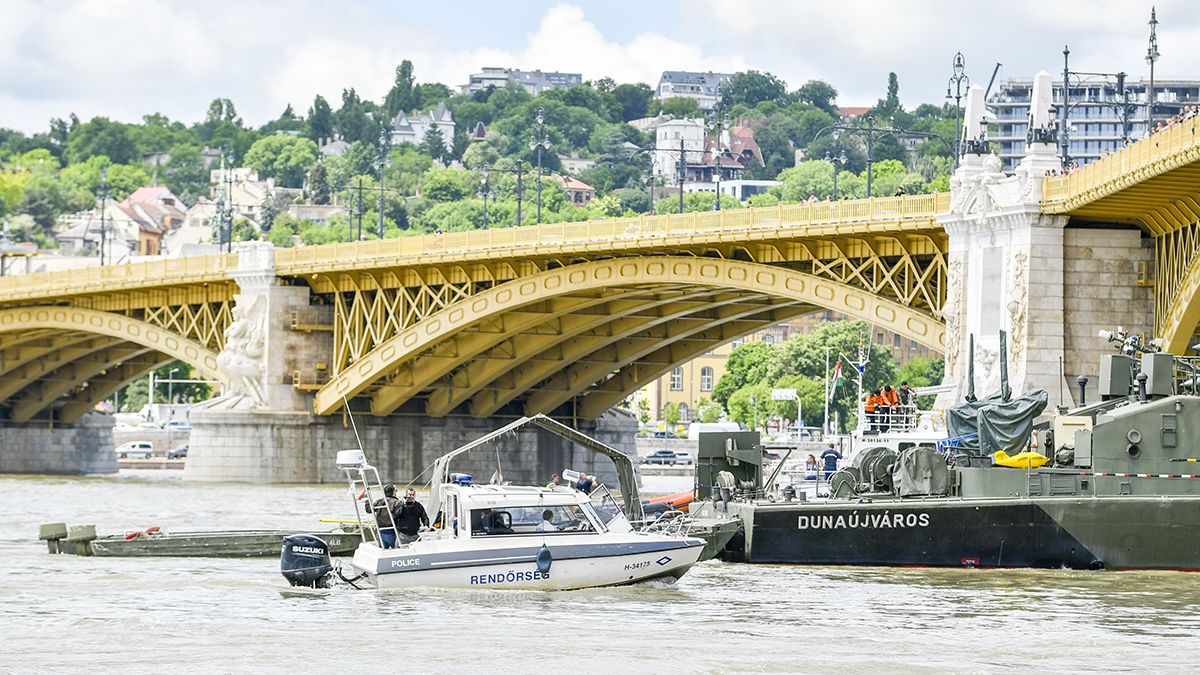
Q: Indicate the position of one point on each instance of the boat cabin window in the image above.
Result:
(569, 518)
(605, 506)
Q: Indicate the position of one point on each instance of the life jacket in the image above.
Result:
(890, 398)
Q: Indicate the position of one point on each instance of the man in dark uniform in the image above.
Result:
(410, 516)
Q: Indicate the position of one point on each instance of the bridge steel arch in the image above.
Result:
(74, 345)
(786, 292)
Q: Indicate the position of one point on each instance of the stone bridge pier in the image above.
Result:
(1049, 282)
(262, 428)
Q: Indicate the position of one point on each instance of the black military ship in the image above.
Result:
(1113, 484)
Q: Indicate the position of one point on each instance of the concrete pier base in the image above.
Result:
(80, 448)
(254, 446)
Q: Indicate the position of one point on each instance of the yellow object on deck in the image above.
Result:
(1024, 460)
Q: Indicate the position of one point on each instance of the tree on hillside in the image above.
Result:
(318, 183)
(186, 174)
(101, 136)
(401, 97)
(680, 106)
(353, 123)
(320, 120)
(751, 88)
(287, 159)
(433, 143)
(889, 105)
(633, 100)
(818, 93)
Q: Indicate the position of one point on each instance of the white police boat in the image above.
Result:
(520, 537)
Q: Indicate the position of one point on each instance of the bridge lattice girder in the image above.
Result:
(501, 328)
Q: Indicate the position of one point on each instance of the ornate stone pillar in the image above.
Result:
(1005, 272)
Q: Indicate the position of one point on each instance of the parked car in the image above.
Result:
(178, 425)
(135, 450)
(667, 457)
(664, 434)
(178, 453)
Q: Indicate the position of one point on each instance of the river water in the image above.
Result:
(67, 613)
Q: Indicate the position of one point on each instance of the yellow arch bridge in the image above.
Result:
(567, 316)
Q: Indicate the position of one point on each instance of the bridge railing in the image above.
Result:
(642, 228)
(159, 271)
(1166, 143)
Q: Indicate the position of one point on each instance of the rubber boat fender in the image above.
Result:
(544, 559)
(133, 535)
(153, 530)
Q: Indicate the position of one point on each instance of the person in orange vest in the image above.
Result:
(873, 409)
(891, 400)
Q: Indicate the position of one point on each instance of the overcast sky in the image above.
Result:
(127, 58)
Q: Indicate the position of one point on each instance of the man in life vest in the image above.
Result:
(892, 401)
(872, 407)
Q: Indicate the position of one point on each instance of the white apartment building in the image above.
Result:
(1095, 113)
(705, 88)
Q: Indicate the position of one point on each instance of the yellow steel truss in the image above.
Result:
(533, 309)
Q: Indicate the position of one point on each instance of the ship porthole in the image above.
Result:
(1133, 450)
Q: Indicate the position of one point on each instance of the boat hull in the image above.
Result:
(574, 565)
(1052, 532)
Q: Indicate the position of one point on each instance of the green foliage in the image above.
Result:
(101, 136)
(748, 363)
(819, 94)
(633, 100)
(433, 143)
(708, 411)
(805, 355)
(921, 371)
(680, 106)
(751, 88)
(643, 410)
(693, 202)
(751, 405)
(134, 396)
(402, 97)
(671, 414)
(287, 159)
(320, 119)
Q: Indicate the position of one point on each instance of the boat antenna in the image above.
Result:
(970, 397)
(353, 425)
(499, 469)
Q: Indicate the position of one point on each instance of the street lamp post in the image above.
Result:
(539, 141)
(682, 171)
(229, 205)
(958, 80)
(103, 209)
(171, 391)
(1063, 133)
(359, 209)
(718, 155)
(380, 164)
(835, 160)
(485, 192)
(1151, 57)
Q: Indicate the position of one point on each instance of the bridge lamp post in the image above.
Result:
(227, 215)
(103, 208)
(380, 165)
(485, 192)
(842, 159)
(540, 141)
(1151, 57)
(957, 82)
(719, 153)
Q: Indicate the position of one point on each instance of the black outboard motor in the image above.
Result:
(305, 561)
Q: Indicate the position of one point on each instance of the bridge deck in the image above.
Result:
(846, 218)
